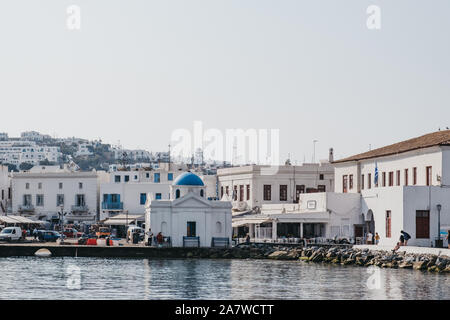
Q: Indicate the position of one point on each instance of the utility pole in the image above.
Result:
(314, 150)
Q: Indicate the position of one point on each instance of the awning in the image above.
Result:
(119, 222)
(243, 222)
(18, 219)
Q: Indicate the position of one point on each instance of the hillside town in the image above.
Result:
(376, 197)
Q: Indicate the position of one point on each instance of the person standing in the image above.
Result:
(406, 237)
(369, 238)
(159, 238)
(150, 236)
(377, 238)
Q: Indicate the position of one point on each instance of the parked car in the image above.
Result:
(11, 234)
(139, 230)
(49, 235)
(103, 232)
(72, 233)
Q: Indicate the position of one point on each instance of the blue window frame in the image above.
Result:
(116, 178)
(157, 177)
(143, 198)
(170, 176)
(158, 196)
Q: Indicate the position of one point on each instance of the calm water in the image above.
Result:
(52, 278)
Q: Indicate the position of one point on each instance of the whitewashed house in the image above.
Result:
(411, 191)
(5, 189)
(44, 191)
(188, 218)
(251, 187)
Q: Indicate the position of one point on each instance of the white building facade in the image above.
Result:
(5, 190)
(253, 186)
(43, 192)
(411, 193)
(188, 218)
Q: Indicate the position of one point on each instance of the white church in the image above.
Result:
(188, 218)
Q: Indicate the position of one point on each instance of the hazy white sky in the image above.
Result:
(139, 69)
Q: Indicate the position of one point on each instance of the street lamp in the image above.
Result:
(61, 222)
(439, 207)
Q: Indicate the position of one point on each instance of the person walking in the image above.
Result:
(377, 238)
(247, 239)
(406, 237)
(402, 239)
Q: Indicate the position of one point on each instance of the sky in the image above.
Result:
(137, 70)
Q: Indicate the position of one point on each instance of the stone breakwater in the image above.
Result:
(363, 258)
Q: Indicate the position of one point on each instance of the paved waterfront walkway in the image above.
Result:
(407, 249)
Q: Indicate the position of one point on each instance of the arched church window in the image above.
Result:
(177, 193)
(201, 193)
(218, 227)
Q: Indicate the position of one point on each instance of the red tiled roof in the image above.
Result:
(438, 138)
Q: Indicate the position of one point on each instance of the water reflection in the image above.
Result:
(46, 278)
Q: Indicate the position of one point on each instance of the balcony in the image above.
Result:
(26, 208)
(79, 209)
(112, 205)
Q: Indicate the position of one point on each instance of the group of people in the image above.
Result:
(159, 238)
(403, 241)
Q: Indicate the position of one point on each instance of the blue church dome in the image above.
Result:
(188, 179)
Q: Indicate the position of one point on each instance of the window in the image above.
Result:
(350, 181)
(383, 182)
(267, 192)
(158, 196)
(40, 185)
(147, 175)
(27, 185)
(227, 190)
(39, 200)
(321, 176)
(156, 177)
(59, 200)
(388, 224)
(362, 182)
(135, 177)
(406, 177)
(27, 199)
(398, 177)
(221, 192)
(422, 224)
(369, 181)
(170, 176)
(344, 183)
(60, 185)
(127, 178)
(414, 175)
(79, 200)
(321, 188)
(429, 177)
(142, 198)
(283, 192)
(191, 229)
(116, 178)
(235, 196)
(391, 179)
(241, 193)
(80, 185)
(177, 194)
(248, 192)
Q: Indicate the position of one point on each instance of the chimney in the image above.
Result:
(330, 155)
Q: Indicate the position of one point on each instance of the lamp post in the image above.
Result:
(61, 223)
(439, 207)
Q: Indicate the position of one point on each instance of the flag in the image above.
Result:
(375, 179)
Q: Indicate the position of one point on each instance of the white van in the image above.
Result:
(11, 234)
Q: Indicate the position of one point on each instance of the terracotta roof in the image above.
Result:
(438, 138)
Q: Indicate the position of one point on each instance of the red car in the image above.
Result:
(72, 233)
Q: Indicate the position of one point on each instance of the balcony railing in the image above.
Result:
(79, 209)
(26, 208)
(112, 205)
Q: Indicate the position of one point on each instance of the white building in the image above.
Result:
(127, 191)
(413, 181)
(17, 152)
(33, 136)
(44, 190)
(317, 215)
(5, 189)
(251, 187)
(3, 136)
(84, 150)
(188, 218)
